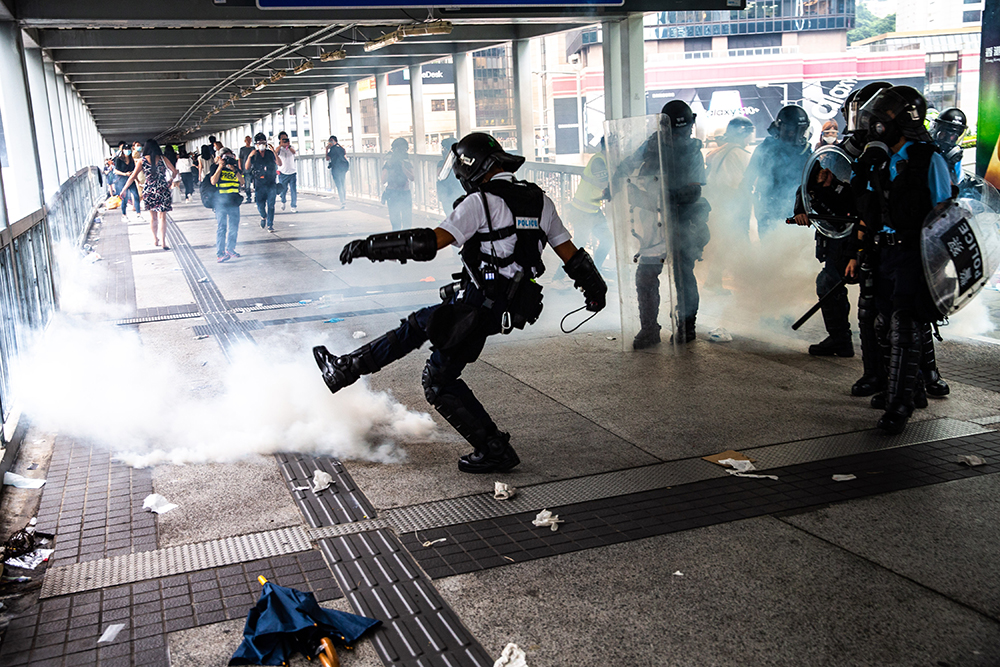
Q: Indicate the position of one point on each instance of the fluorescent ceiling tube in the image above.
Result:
(329, 56)
(384, 40)
(429, 28)
(304, 67)
(260, 84)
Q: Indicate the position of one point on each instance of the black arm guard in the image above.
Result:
(416, 244)
(581, 269)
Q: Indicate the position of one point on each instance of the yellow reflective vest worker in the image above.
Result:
(593, 185)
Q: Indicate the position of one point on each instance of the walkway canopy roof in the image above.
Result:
(159, 67)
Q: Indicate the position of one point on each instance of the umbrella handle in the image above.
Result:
(328, 656)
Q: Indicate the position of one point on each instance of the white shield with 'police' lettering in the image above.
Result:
(960, 245)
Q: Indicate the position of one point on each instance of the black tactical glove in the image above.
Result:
(582, 270)
(353, 251)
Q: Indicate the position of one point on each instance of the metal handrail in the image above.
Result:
(364, 179)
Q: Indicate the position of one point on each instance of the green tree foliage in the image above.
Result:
(868, 25)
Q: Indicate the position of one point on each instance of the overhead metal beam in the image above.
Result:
(139, 38)
(176, 54)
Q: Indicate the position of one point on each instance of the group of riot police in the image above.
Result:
(502, 224)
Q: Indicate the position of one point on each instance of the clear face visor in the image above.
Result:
(880, 111)
(447, 167)
(947, 132)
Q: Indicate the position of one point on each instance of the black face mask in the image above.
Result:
(884, 131)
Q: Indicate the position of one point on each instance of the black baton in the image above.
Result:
(819, 304)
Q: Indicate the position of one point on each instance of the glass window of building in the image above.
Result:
(494, 87)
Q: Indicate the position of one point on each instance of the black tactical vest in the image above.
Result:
(909, 193)
(525, 201)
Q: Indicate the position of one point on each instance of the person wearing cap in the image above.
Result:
(338, 164)
(502, 225)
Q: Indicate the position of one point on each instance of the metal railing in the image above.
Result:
(28, 272)
(364, 179)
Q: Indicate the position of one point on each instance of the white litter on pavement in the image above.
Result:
(503, 491)
(154, 502)
(720, 335)
(430, 543)
(112, 632)
(321, 481)
(31, 560)
(843, 478)
(739, 468)
(678, 573)
(547, 518)
(512, 656)
(360, 334)
(19, 482)
(971, 460)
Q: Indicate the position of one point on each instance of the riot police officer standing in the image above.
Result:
(907, 179)
(947, 131)
(501, 226)
(687, 221)
(775, 169)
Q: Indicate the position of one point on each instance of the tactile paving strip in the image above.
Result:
(381, 581)
(340, 503)
(135, 567)
(513, 539)
(673, 473)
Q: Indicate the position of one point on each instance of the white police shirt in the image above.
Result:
(468, 218)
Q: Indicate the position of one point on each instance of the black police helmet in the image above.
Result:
(791, 125)
(679, 112)
(739, 128)
(478, 153)
(857, 99)
(893, 113)
(949, 127)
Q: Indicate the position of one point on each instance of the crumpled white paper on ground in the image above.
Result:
(321, 481)
(547, 518)
(512, 656)
(843, 478)
(503, 491)
(359, 334)
(720, 335)
(112, 632)
(154, 502)
(740, 468)
(19, 482)
(971, 460)
(31, 560)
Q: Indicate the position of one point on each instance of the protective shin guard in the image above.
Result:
(647, 284)
(904, 369)
(873, 378)
(933, 382)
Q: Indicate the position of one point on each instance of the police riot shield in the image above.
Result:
(640, 218)
(960, 244)
(826, 192)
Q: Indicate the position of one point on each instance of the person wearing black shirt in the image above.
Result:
(336, 160)
(262, 164)
(245, 151)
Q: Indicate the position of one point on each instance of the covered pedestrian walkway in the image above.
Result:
(128, 371)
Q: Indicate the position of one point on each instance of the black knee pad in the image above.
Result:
(905, 329)
(431, 388)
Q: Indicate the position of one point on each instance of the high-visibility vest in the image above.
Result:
(590, 193)
(229, 182)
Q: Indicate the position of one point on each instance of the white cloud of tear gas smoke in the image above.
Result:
(100, 383)
(81, 281)
(973, 320)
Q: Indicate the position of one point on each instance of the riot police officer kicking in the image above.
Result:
(907, 179)
(501, 226)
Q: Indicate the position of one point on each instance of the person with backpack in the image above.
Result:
(397, 172)
(262, 165)
(227, 179)
(337, 162)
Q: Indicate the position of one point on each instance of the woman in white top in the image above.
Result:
(206, 163)
(187, 178)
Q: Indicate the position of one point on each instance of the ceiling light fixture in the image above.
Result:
(383, 41)
(260, 84)
(304, 67)
(429, 28)
(245, 92)
(278, 76)
(330, 56)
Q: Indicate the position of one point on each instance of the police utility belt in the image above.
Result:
(520, 298)
(887, 239)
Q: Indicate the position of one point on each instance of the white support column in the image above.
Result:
(417, 106)
(524, 117)
(357, 126)
(55, 114)
(464, 95)
(332, 114)
(382, 102)
(633, 67)
(611, 48)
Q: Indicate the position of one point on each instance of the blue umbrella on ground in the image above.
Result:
(285, 621)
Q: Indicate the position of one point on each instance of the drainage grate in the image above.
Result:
(135, 567)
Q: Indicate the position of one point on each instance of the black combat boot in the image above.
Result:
(903, 372)
(494, 455)
(338, 372)
(646, 338)
(833, 347)
(685, 331)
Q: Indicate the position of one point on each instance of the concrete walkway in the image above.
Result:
(202, 371)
